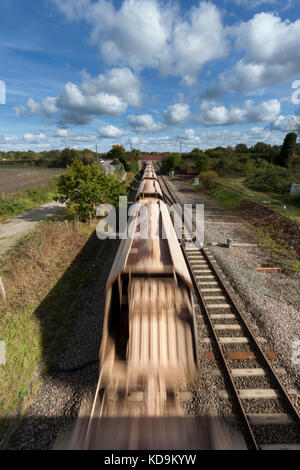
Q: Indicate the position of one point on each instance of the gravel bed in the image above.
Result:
(253, 382)
(279, 434)
(270, 304)
(60, 396)
(270, 301)
(274, 405)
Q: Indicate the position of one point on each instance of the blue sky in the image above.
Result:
(147, 73)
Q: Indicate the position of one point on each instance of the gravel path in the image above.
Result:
(11, 230)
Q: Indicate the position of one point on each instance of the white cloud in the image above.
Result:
(8, 139)
(152, 33)
(197, 39)
(286, 123)
(272, 53)
(20, 111)
(213, 114)
(204, 140)
(108, 94)
(187, 134)
(111, 132)
(255, 3)
(119, 82)
(177, 114)
(80, 108)
(63, 133)
(144, 124)
(46, 108)
(84, 138)
(34, 138)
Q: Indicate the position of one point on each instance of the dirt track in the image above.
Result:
(13, 229)
(14, 179)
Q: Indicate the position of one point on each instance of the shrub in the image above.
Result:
(296, 199)
(172, 162)
(201, 161)
(274, 180)
(84, 188)
(208, 179)
(287, 152)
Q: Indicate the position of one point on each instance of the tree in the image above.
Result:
(117, 151)
(171, 162)
(261, 147)
(287, 152)
(241, 148)
(85, 187)
(67, 156)
(88, 156)
(202, 161)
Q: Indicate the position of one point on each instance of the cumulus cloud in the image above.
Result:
(144, 124)
(286, 123)
(111, 132)
(151, 33)
(108, 94)
(7, 139)
(213, 114)
(208, 139)
(255, 3)
(19, 111)
(177, 114)
(34, 138)
(46, 108)
(272, 53)
(63, 133)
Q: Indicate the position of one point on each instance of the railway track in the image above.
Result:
(240, 354)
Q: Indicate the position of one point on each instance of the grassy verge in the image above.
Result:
(281, 254)
(227, 198)
(134, 166)
(17, 203)
(277, 201)
(41, 277)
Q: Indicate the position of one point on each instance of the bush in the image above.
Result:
(287, 152)
(84, 188)
(208, 179)
(172, 162)
(201, 161)
(274, 180)
(296, 199)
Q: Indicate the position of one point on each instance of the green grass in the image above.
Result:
(41, 277)
(277, 201)
(134, 166)
(14, 204)
(281, 253)
(227, 198)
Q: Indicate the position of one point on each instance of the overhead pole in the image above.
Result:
(180, 147)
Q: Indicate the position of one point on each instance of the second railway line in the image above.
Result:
(246, 382)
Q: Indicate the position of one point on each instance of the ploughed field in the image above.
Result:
(15, 179)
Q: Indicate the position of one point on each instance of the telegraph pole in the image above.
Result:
(180, 146)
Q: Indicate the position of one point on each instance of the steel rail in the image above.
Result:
(261, 355)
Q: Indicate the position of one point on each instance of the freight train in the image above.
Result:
(149, 350)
